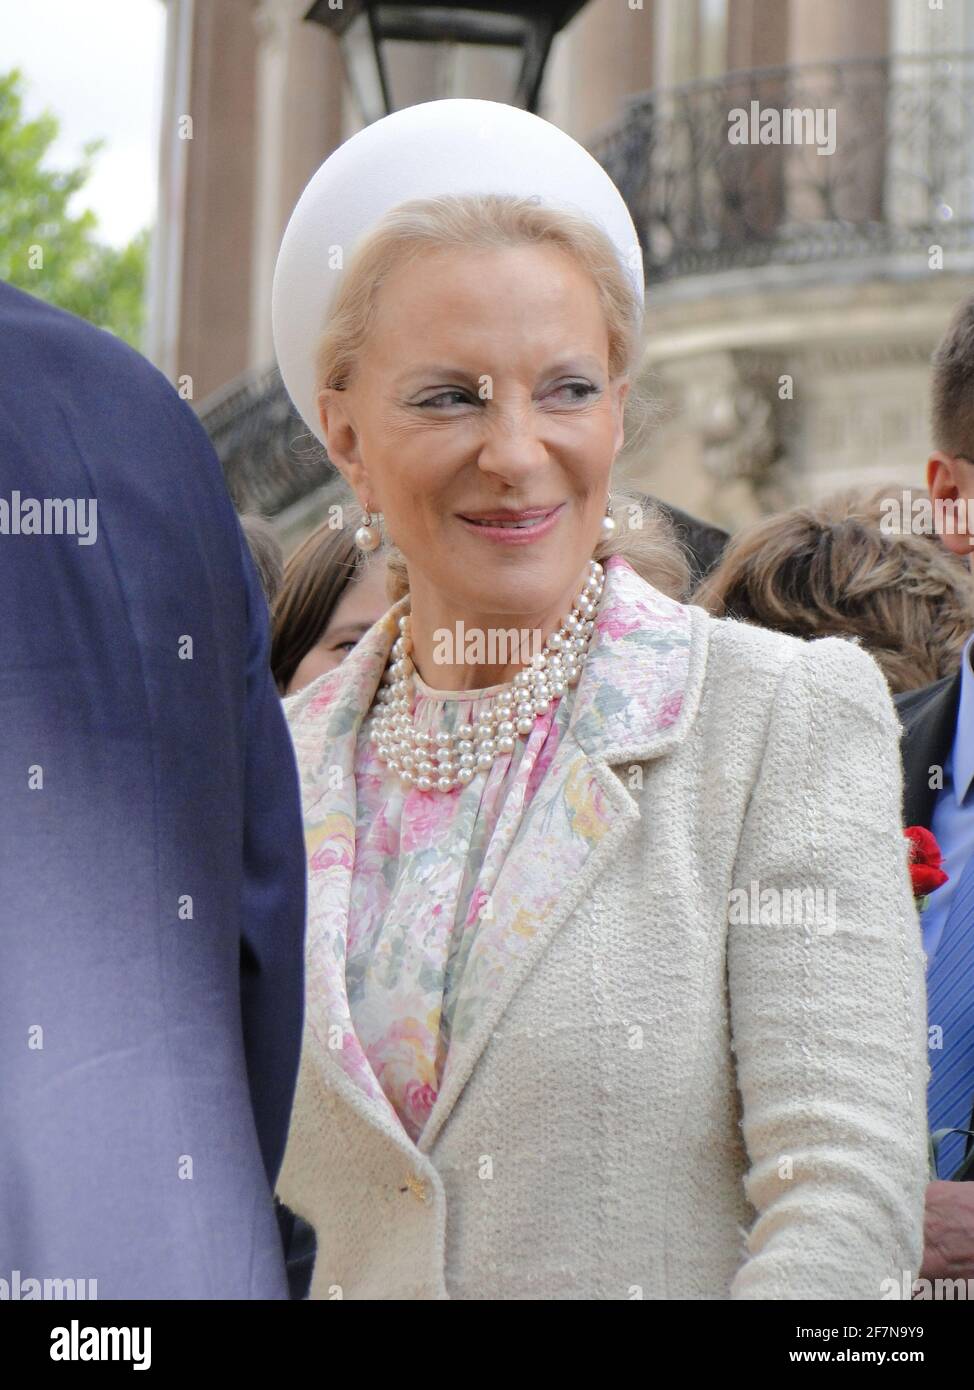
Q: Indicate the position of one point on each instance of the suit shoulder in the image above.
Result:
(54, 343)
(70, 362)
(830, 668)
(737, 650)
(748, 641)
(912, 702)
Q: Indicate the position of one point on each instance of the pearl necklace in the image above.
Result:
(441, 760)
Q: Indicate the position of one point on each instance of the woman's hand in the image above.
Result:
(948, 1231)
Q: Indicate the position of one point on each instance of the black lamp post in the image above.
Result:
(367, 29)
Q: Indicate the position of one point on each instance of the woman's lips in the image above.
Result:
(521, 529)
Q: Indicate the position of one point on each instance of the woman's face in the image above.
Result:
(363, 603)
(484, 392)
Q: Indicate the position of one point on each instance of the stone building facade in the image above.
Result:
(794, 297)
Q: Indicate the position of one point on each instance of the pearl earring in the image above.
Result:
(367, 537)
(608, 521)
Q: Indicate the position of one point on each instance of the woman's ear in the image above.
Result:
(341, 438)
(622, 391)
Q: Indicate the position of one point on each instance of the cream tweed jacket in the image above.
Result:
(687, 1086)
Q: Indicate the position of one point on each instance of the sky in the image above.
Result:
(97, 65)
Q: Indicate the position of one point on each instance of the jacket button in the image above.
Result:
(415, 1185)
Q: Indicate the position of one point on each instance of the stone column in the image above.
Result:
(677, 42)
(928, 170)
(830, 31)
(162, 344)
(757, 34)
(604, 55)
(752, 176)
(214, 309)
(300, 112)
(824, 30)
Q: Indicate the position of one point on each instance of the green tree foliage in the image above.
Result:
(46, 250)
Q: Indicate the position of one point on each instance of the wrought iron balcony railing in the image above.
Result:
(900, 177)
(270, 459)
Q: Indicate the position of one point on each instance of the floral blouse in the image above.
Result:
(425, 865)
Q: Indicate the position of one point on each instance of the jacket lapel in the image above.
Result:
(636, 700)
(928, 718)
(570, 829)
(325, 722)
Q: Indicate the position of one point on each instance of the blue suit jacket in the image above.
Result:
(928, 717)
(152, 871)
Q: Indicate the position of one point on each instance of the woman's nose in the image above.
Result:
(512, 445)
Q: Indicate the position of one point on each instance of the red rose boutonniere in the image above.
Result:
(926, 872)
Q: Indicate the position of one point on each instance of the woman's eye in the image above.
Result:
(578, 391)
(456, 397)
(583, 389)
(347, 646)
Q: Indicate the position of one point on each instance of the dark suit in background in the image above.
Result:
(152, 890)
(929, 718)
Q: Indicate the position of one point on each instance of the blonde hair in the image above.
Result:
(828, 570)
(491, 221)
